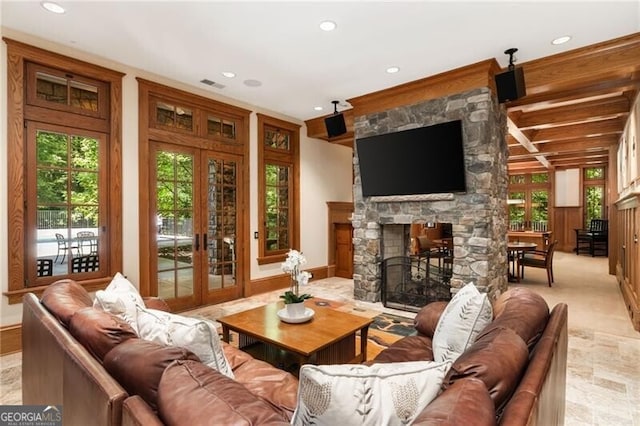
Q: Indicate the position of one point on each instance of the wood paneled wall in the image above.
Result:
(565, 220)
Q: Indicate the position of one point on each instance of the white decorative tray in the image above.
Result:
(308, 314)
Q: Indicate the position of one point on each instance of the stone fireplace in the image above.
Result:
(478, 217)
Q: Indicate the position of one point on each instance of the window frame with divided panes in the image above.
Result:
(64, 150)
(278, 188)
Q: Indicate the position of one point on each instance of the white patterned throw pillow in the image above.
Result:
(468, 312)
(380, 394)
(197, 335)
(120, 298)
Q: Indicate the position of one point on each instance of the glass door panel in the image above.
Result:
(67, 185)
(175, 214)
(195, 203)
(221, 228)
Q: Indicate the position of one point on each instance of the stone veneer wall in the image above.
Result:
(478, 218)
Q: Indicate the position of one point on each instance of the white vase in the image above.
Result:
(295, 310)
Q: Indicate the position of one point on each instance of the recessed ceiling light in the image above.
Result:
(229, 74)
(328, 25)
(318, 108)
(252, 83)
(561, 40)
(52, 7)
(393, 70)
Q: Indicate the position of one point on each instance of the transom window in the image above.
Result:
(178, 116)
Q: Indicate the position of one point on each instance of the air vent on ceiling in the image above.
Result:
(212, 83)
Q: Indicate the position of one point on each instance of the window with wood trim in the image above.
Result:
(529, 202)
(176, 115)
(594, 180)
(64, 160)
(278, 188)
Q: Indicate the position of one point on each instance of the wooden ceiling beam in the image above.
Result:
(317, 129)
(605, 127)
(617, 55)
(565, 164)
(527, 165)
(603, 108)
(570, 145)
(601, 86)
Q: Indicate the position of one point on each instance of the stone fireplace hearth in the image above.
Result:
(478, 217)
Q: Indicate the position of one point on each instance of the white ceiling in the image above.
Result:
(301, 66)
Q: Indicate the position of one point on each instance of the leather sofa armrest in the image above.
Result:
(466, 402)
(427, 318)
(136, 412)
(156, 303)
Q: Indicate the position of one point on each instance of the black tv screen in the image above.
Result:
(426, 160)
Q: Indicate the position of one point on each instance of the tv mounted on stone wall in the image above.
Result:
(425, 160)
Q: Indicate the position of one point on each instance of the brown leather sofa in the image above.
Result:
(514, 373)
(90, 362)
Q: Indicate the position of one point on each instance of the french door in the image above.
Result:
(195, 200)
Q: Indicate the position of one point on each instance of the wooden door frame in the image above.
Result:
(147, 89)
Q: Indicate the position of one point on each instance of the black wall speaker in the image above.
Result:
(510, 85)
(335, 125)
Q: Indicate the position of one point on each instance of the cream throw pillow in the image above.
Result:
(197, 335)
(120, 299)
(468, 312)
(380, 394)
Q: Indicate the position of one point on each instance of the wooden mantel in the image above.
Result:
(458, 80)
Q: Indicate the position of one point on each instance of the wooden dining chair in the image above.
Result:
(539, 259)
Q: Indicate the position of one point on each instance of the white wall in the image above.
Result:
(325, 174)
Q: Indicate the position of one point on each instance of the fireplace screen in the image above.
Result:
(410, 282)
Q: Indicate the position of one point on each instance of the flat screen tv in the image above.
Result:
(426, 160)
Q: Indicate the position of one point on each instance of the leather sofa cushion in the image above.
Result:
(523, 311)
(426, 319)
(190, 393)
(64, 298)
(466, 402)
(274, 386)
(410, 348)
(498, 358)
(99, 331)
(235, 357)
(138, 366)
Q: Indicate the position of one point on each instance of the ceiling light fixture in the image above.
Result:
(561, 40)
(317, 108)
(228, 74)
(252, 83)
(52, 7)
(393, 70)
(328, 25)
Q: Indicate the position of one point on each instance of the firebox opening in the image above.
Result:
(417, 264)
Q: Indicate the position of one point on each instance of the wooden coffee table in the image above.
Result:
(328, 338)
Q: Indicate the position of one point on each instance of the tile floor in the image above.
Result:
(603, 367)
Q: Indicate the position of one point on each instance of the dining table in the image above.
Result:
(516, 249)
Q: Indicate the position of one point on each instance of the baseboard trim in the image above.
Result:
(10, 339)
(282, 281)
